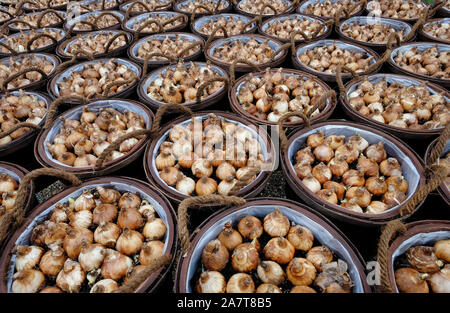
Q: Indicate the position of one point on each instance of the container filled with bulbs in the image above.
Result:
(407, 10)
(234, 24)
(40, 5)
(265, 8)
(162, 49)
(17, 107)
(155, 22)
(196, 85)
(329, 8)
(322, 57)
(263, 97)
(99, 43)
(426, 60)
(95, 5)
(79, 136)
(197, 6)
(137, 7)
(443, 189)
(209, 156)
(95, 20)
(270, 246)
(101, 78)
(256, 49)
(401, 105)
(352, 172)
(26, 71)
(35, 40)
(90, 238)
(37, 20)
(437, 30)
(10, 177)
(418, 260)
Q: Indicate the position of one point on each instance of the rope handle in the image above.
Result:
(390, 42)
(22, 72)
(437, 7)
(20, 5)
(292, 5)
(11, 220)
(48, 11)
(283, 47)
(6, 12)
(130, 81)
(213, 34)
(163, 6)
(134, 4)
(113, 38)
(194, 202)
(338, 16)
(439, 146)
(203, 86)
(75, 57)
(418, 25)
(144, 25)
(53, 108)
(168, 107)
(41, 35)
(268, 5)
(199, 6)
(243, 181)
(174, 19)
(233, 65)
(361, 3)
(11, 50)
(386, 55)
(18, 126)
(257, 20)
(189, 47)
(389, 232)
(98, 17)
(339, 81)
(216, 9)
(82, 6)
(103, 5)
(155, 54)
(71, 29)
(4, 26)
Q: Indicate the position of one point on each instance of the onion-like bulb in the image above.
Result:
(300, 237)
(146, 208)
(323, 153)
(91, 256)
(311, 183)
(164, 159)
(440, 281)
(205, 186)
(250, 227)
(391, 167)
(399, 183)
(245, 258)
(376, 152)
(279, 250)
(129, 242)
(353, 178)
(82, 219)
(334, 141)
(107, 234)
(411, 281)
(104, 213)
(442, 249)
(362, 195)
(271, 272)
(150, 251)
(211, 282)
(319, 256)
(104, 286)
(107, 195)
(155, 228)
(225, 170)
(301, 272)
(71, 277)
(27, 281)
(347, 152)
(376, 185)
(240, 283)
(305, 156)
(51, 289)
(129, 200)
(368, 166)
(185, 185)
(376, 207)
(276, 224)
(338, 166)
(202, 167)
(302, 289)
(315, 140)
(7, 183)
(268, 288)
(393, 197)
(358, 142)
(115, 265)
(85, 201)
(215, 256)
(74, 241)
(336, 187)
(53, 261)
(59, 214)
(27, 257)
(229, 237)
(423, 259)
(130, 218)
(225, 186)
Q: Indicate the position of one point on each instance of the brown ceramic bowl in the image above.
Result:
(42, 211)
(442, 189)
(29, 137)
(425, 232)
(130, 24)
(323, 230)
(201, 21)
(391, 78)
(429, 37)
(58, 22)
(250, 190)
(238, 109)
(331, 77)
(118, 15)
(44, 157)
(412, 168)
(303, 5)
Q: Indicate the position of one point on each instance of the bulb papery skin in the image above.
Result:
(411, 281)
(300, 237)
(301, 272)
(150, 251)
(27, 257)
(250, 227)
(215, 256)
(442, 249)
(319, 256)
(276, 224)
(73, 241)
(107, 234)
(104, 286)
(271, 272)
(440, 281)
(71, 277)
(268, 288)
(27, 281)
(229, 237)
(245, 258)
(280, 250)
(211, 282)
(91, 257)
(154, 229)
(240, 283)
(53, 261)
(115, 265)
(129, 242)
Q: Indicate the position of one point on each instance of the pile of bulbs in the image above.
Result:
(208, 157)
(438, 29)
(399, 9)
(233, 26)
(180, 84)
(374, 33)
(272, 254)
(16, 109)
(329, 8)
(15, 65)
(166, 46)
(95, 43)
(284, 28)
(45, 4)
(97, 5)
(49, 20)
(273, 94)
(429, 62)
(351, 173)
(251, 50)
(326, 58)
(19, 43)
(4, 16)
(103, 22)
(90, 244)
(154, 5)
(256, 6)
(423, 268)
(164, 19)
(396, 105)
(93, 79)
(210, 4)
(80, 142)
(8, 192)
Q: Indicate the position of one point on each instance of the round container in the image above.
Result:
(442, 189)
(178, 6)
(397, 25)
(331, 77)
(29, 137)
(369, 10)
(302, 8)
(391, 78)
(44, 157)
(238, 109)
(84, 17)
(323, 230)
(63, 49)
(250, 190)
(46, 48)
(265, 25)
(130, 24)
(427, 36)
(109, 4)
(288, 4)
(412, 168)
(155, 104)
(425, 232)
(274, 44)
(54, 88)
(421, 46)
(124, 6)
(36, 84)
(43, 210)
(14, 27)
(187, 37)
(200, 22)
(43, 6)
